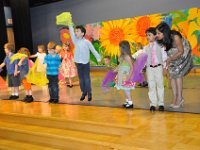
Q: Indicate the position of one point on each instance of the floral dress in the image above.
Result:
(123, 73)
(181, 66)
(68, 67)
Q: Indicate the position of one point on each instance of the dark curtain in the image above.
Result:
(21, 24)
(3, 35)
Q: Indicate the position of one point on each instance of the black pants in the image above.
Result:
(53, 87)
(84, 77)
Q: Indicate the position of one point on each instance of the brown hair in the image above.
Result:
(67, 44)
(10, 46)
(51, 45)
(139, 45)
(126, 50)
(41, 46)
(24, 50)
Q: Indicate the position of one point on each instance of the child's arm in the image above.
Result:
(21, 60)
(91, 47)
(164, 57)
(2, 65)
(16, 70)
(71, 31)
(33, 56)
(130, 62)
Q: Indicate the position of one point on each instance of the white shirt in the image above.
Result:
(136, 54)
(82, 49)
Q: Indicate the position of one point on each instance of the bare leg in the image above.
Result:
(70, 81)
(179, 84)
(174, 90)
(13, 90)
(16, 89)
(128, 96)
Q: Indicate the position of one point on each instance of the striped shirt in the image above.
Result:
(53, 63)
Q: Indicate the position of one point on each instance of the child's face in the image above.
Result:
(57, 50)
(151, 37)
(78, 33)
(66, 47)
(40, 50)
(106, 61)
(137, 47)
(51, 51)
(6, 50)
(159, 35)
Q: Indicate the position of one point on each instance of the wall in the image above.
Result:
(43, 18)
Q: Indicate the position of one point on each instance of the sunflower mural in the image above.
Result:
(112, 32)
(187, 21)
(141, 24)
(105, 36)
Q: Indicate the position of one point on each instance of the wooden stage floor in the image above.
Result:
(70, 127)
(115, 98)
(135, 129)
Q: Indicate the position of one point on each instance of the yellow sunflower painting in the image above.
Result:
(141, 24)
(112, 32)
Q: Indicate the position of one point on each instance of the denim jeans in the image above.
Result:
(53, 87)
(84, 77)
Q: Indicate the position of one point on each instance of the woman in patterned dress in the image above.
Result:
(179, 61)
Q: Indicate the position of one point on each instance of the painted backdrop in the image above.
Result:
(106, 35)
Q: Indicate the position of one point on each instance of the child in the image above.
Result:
(68, 68)
(37, 74)
(155, 65)
(58, 49)
(82, 58)
(139, 51)
(52, 60)
(125, 72)
(23, 69)
(13, 77)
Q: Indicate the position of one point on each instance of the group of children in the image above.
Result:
(46, 69)
(127, 73)
(49, 66)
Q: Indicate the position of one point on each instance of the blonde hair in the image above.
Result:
(51, 45)
(10, 46)
(41, 46)
(58, 48)
(24, 50)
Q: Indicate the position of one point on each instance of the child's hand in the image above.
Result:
(165, 72)
(20, 63)
(16, 73)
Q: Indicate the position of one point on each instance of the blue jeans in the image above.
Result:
(53, 87)
(84, 77)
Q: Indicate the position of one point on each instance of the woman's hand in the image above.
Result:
(168, 61)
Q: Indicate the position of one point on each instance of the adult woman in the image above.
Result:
(179, 60)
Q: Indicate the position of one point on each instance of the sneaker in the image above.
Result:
(89, 96)
(70, 86)
(11, 97)
(125, 103)
(129, 105)
(55, 101)
(29, 99)
(152, 109)
(25, 98)
(15, 97)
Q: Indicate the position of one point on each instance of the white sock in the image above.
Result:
(130, 102)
